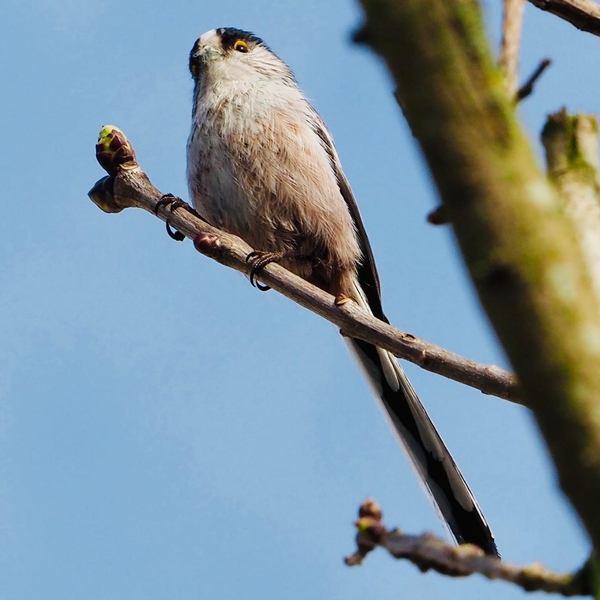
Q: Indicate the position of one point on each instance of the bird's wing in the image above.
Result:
(367, 271)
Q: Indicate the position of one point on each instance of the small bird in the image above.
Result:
(262, 165)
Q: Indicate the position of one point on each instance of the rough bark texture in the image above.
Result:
(519, 247)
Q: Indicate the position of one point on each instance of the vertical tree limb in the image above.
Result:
(508, 61)
(520, 249)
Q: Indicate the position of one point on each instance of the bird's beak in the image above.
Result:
(201, 55)
(206, 52)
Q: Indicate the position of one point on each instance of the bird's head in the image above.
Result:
(229, 53)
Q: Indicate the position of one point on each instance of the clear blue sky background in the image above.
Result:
(166, 430)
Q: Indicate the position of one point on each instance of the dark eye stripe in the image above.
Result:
(231, 35)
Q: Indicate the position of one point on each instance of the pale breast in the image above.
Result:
(257, 168)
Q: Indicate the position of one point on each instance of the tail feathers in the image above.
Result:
(424, 447)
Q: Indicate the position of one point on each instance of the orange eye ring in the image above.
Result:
(241, 46)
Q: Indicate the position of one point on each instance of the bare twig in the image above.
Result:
(583, 14)
(129, 187)
(428, 552)
(527, 88)
(511, 41)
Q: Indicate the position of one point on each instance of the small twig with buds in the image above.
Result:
(428, 552)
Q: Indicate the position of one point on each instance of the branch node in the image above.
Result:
(438, 216)
(102, 195)
(208, 244)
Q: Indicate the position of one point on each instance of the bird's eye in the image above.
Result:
(241, 46)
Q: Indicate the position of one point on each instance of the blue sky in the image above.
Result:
(169, 432)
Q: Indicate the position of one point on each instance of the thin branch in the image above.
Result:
(511, 40)
(583, 14)
(428, 552)
(130, 187)
(527, 88)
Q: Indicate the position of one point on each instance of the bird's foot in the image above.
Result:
(259, 261)
(170, 203)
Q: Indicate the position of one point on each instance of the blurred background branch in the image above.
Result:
(583, 14)
(512, 25)
(571, 144)
(520, 248)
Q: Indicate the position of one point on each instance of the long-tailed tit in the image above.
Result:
(262, 165)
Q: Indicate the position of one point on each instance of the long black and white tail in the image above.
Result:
(422, 443)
